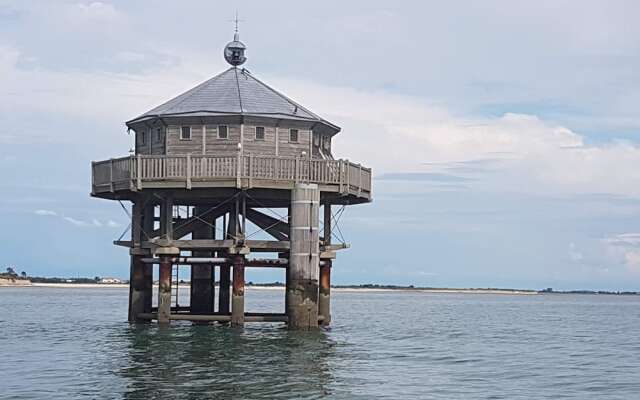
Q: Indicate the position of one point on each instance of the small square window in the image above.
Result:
(223, 132)
(293, 135)
(185, 133)
(259, 132)
(143, 137)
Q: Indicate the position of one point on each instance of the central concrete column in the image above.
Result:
(304, 262)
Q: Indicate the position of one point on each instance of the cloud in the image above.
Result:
(95, 223)
(75, 222)
(421, 176)
(625, 249)
(45, 212)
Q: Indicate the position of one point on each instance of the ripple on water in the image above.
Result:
(70, 344)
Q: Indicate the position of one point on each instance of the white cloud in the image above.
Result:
(95, 223)
(113, 224)
(402, 133)
(45, 212)
(625, 249)
(75, 222)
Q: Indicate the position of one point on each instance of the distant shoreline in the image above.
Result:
(260, 287)
(26, 283)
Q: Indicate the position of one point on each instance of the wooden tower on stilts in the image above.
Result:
(205, 163)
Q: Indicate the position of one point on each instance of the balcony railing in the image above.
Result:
(133, 172)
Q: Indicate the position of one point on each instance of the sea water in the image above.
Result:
(75, 343)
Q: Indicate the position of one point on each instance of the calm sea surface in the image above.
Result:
(75, 343)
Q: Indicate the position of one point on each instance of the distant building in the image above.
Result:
(110, 280)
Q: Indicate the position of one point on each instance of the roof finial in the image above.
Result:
(234, 51)
(236, 35)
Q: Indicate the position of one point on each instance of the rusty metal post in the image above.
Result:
(164, 290)
(324, 298)
(237, 301)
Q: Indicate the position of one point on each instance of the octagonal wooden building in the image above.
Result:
(205, 163)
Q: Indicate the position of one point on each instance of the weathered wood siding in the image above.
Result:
(176, 146)
(154, 142)
(266, 146)
(222, 147)
(292, 149)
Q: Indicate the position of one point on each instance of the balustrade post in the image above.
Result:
(359, 179)
(139, 172)
(238, 170)
(189, 171)
(250, 168)
(111, 174)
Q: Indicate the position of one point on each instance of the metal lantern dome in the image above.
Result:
(234, 51)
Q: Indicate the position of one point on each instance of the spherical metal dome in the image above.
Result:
(234, 52)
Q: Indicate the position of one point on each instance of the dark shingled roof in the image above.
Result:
(234, 92)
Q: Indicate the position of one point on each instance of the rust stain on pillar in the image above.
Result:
(324, 300)
(164, 290)
(237, 301)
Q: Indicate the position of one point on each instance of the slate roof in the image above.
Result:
(233, 92)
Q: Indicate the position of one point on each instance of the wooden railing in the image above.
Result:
(134, 171)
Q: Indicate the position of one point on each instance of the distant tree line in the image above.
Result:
(11, 273)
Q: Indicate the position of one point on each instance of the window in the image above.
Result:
(223, 132)
(293, 135)
(143, 138)
(327, 143)
(158, 135)
(316, 140)
(259, 132)
(185, 133)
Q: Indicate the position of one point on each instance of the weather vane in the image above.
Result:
(236, 20)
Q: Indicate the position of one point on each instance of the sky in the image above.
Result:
(503, 136)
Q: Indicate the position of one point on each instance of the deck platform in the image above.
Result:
(121, 178)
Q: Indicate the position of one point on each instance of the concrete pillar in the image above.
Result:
(164, 289)
(304, 262)
(202, 289)
(324, 299)
(237, 299)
